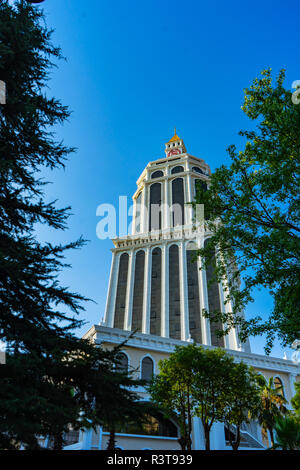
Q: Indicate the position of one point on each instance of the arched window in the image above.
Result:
(155, 207)
(147, 369)
(153, 425)
(177, 202)
(155, 311)
(122, 364)
(121, 292)
(157, 174)
(198, 170)
(177, 169)
(193, 294)
(214, 301)
(174, 293)
(137, 302)
(278, 385)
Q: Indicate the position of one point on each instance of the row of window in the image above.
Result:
(177, 213)
(176, 169)
(174, 294)
(147, 366)
(178, 203)
(175, 144)
(147, 370)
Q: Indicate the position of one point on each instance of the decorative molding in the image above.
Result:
(103, 334)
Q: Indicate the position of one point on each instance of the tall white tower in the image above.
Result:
(156, 286)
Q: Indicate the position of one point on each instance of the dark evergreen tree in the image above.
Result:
(51, 379)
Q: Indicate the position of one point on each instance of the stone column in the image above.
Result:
(217, 437)
(229, 341)
(87, 439)
(198, 434)
(147, 291)
(165, 291)
(166, 204)
(134, 217)
(129, 291)
(203, 296)
(100, 437)
(184, 306)
(188, 198)
(145, 209)
(112, 291)
(292, 379)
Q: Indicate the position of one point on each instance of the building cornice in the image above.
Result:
(184, 233)
(101, 334)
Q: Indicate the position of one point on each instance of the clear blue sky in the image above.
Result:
(135, 70)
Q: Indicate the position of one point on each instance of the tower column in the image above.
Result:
(232, 339)
(147, 292)
(129, 291)
(145, 209)
(188, 198)
(203, 296)
(292, 379)
(184, 307)
(112, 291)
(166, 205)
(134, 216)
(165, 291)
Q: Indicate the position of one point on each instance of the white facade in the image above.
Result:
(155, 226)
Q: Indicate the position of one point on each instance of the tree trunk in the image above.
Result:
(182, 443)
(58, 441)
(207, 437)
(189, 440)
(236, 443)
(271, 437)
(112, 440)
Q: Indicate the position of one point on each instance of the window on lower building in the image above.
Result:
(147, 369)
(122, 365)
(278, 385)
(154, 425)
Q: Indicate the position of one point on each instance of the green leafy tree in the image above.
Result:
(243, 397)
(201, 382)
(212, 387)
(271, 407)
(171, 391)
(252, 214)
(296, 401)
(33, 321)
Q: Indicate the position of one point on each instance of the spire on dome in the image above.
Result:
(175, 136)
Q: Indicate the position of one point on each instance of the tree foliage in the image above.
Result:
(204, 383)
(171, 390)
(243, 398)
(271, 407)
(287, 433)
(252, 214)
(296, 401)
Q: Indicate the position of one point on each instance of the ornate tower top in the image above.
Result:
(175, 146)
